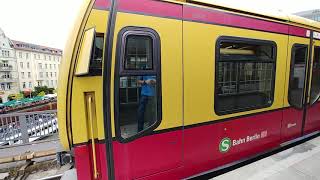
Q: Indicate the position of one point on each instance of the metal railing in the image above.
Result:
(19, 128)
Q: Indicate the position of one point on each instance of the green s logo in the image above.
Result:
(225, 145)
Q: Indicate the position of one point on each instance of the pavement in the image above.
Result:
(301, 162)
(14, 150)
(17, 150)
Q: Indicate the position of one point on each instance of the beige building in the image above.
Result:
(24, 66)
(37, 65)
(312, 14)
(8, 68)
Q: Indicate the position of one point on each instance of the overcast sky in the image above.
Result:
(47, 22)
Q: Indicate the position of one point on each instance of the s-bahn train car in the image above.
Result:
(159, 89)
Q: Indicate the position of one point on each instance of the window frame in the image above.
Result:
(120, 71)
(97, 72)
(311, 69)
(292, 62)
(234, 39)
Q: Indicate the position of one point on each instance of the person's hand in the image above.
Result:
(148, 81)
(152, 81)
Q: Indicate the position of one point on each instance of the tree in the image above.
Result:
(39, 89)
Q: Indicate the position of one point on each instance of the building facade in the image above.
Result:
(8, 68)
(24, 66)
(37, 65)
(312, 14)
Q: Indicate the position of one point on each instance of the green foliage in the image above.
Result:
(12, 97)
(43, 90)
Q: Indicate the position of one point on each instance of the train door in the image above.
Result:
(312, 121)
(146, 89)
(297, 78)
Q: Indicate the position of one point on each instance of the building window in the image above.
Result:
(50, 74)
(34, 56)
(245, 69)
(27, 55)
(54, 66)
(23, 85)
(5, 64)
(20, 54)
(52, 83)
(22, 75)
(39, 83)
(45, 57)
(30, 85)
(6, 75)
(28, 65)
(8, 86)
(40, 66)
(55, 74)
(49, 58)
(47, 74)
(41, 75)
(5, 53)
(50, 66)
(3, 87)
(46, 66)
(138, 83)
(297, 75)
(38, 56)
(21, 65)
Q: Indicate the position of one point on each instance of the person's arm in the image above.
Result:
(141, 82)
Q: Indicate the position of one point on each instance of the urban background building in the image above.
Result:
(8, 68)
(37, 65)
(312, 14)
(24, 66)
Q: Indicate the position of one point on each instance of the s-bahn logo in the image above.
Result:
(225, 145)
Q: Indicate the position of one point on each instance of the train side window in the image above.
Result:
(245, 74)
(315, 82)
(297, 75)
(138, 94)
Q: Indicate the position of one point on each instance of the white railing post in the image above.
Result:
(24, 129)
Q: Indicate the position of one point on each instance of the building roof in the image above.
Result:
(35, 48)
(310, 12)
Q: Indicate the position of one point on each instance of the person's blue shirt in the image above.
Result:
(146, 89)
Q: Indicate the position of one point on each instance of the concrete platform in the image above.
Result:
(301, 162)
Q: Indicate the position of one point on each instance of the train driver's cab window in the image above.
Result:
(245, 74)
(315, 82)
(297, 75)
(90, 54)
(96, 61)
(139, 83)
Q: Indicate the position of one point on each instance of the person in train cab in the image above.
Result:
(147, 99)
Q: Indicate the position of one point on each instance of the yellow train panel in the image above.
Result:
(199, 68)
(170, 32)
(82, 85)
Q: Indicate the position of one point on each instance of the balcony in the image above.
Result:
(8, 80)
(6, 68)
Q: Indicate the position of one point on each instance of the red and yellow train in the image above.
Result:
(160, 89)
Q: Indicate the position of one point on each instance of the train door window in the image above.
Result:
(96, 61)
(138, 82)
(315, 82)
(245, 74)
(297, 75)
